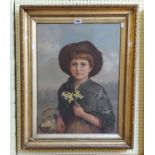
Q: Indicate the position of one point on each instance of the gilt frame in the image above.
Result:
(29, 17)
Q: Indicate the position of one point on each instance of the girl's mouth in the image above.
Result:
(78, 73)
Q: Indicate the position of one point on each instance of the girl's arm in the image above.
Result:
(79, 112)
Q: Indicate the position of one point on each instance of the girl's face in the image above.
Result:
(80, 69)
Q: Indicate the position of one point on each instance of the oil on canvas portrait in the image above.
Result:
(78, 73)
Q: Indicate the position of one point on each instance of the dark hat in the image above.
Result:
(84, 46)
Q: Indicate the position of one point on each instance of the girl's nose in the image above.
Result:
(78, 67)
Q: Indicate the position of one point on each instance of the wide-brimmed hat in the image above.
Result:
(84, 46)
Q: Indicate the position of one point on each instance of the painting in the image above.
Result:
(50, 77)
(77, 70)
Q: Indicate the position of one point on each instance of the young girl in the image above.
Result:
(84, 106)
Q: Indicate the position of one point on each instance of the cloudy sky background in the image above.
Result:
(52, 37)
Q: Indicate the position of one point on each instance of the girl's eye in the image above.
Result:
(83, 64)
(73, 64)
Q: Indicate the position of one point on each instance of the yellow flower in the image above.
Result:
(77, 94)
(68, 96)
(72, 96)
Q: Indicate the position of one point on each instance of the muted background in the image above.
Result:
(52, 37)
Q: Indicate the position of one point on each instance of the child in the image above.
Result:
(84, 106)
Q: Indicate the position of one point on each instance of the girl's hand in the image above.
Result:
(78, 110)
(60, 126)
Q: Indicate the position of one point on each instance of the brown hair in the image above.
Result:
(83, 55)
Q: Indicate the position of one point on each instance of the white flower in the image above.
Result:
(48, 124)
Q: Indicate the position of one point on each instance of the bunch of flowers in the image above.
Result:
(48, 124)
(72, 96)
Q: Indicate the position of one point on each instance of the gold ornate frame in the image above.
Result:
(28, 138)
